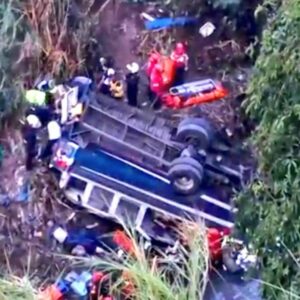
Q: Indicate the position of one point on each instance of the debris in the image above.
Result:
(163, 23)
(147, 16)
(207, 29)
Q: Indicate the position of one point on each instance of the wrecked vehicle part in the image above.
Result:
(154, 142)
(111, 188)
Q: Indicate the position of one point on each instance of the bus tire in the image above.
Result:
(195, 131)
(186, 175)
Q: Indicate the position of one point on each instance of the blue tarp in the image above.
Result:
(162, 23)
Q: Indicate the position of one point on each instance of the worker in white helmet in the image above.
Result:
(30, 138)
(132, 80)
(105, 83)
(54, 134)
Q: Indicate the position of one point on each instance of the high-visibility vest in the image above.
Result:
(36, 97)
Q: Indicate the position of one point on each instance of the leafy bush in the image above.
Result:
(14, 288)
(151, 276)
(269, 210)
(14, 41)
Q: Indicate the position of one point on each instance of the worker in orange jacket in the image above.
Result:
(181, 59)
(156, 86)
(152, 61)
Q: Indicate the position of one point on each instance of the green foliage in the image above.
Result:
(14, 288)
(13, 42)
(224, 4)
(269, 211)
(151, 276)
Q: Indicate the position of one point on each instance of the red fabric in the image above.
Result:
(153, 60)
(214, 237)
(97, 277)
(156, 80)
(123, 241)
(181, 60)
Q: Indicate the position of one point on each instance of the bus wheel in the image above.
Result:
(186, 175)
(195, 131)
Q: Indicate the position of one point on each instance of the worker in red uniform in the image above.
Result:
(180, 58)
(152, 61)
(156, 86)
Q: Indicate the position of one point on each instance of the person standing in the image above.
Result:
(84, 85)
(152, 61)
(30, 137)
(156, 86)
(54, 134)
(132, 80)
(180, 58)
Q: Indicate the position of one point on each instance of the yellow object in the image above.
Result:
(35, 97)
(116, 89)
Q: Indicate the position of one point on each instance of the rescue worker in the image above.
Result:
(116, 89)
(132, 80)
(153, 60)
(54, 134)
(105, 82)
(39, 98)
(30, 137)
(156, 86)
(103, 64)
(84, 84)
(180, 58)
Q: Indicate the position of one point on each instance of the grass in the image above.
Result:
(161, 277)
(14, 288)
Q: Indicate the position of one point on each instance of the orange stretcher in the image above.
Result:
(194, 93)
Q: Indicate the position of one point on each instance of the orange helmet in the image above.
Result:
(179, 49)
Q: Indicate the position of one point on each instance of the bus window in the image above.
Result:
(75, 183)
(127, 211)
(100, 199)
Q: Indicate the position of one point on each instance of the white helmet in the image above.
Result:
(133, 67)
(34, 121)
(111, 72)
